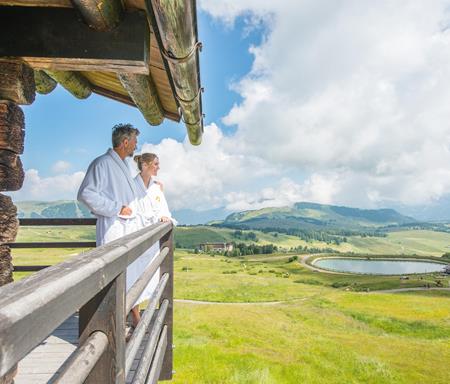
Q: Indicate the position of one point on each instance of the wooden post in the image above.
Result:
(16, 87)
(16, 81)
(106, 312)
(8, 231)
(167, 267)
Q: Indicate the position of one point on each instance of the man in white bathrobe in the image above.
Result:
(108, 189)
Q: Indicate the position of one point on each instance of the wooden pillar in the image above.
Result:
(105, 312)
(16, 87)
(167, 267)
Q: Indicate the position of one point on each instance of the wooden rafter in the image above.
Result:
(126, 48)
(143, 92)
(75, 83)
(102, 15)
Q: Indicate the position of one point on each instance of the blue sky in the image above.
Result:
(61, 127)
(344, 104)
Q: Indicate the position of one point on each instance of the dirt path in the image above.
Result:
(200, 302)
(410, 289)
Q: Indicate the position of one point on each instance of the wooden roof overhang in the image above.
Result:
(140, 52)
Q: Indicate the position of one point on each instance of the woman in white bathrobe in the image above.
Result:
(154, 209)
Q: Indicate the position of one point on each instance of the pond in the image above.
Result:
(378, 267)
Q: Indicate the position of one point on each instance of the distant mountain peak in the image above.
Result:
(315, 216)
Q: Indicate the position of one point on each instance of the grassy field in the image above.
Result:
(315, 334)
(275, 321)
(420, 242)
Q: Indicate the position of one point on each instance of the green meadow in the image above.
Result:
(268, 319)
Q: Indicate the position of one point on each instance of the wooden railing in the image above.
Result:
(93, 283)
(52, 222)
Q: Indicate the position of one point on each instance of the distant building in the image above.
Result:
(217, 247)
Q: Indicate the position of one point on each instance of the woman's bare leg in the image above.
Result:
(135, 315)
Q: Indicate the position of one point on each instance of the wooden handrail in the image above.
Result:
(26, 305)
(83, 359)
(138, 334)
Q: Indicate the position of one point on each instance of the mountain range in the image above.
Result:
(300, 215)
(316, 216)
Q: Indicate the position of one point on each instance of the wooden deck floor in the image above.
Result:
(44, 363)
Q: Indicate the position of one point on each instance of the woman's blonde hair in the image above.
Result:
(146, 158)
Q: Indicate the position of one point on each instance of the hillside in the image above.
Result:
(49, 209)
(314, 216)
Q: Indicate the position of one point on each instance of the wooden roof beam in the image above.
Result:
(73, 82)
(44, 83)
(102, 15)
(124, 49)
(175, 26)
(142, 90)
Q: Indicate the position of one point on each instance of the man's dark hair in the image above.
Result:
(122, 132)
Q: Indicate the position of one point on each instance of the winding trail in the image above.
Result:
(201, 302)
(398, 290)
(410, 289)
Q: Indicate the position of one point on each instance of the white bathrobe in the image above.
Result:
(147, 218)
(153, 206)
(155, 200)
(107, 186)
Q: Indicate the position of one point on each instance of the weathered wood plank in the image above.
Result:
(11, 171)
(106, 313)
(125, 48)
(129, 4)
(102, 15)
(38, 3)
(16, 78)
(62, 289)
(12, 127)
(142, 90)
(44, 83)
(167, 267)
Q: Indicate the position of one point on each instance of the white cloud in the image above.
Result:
(61, 166)
(198, 177)
(356, 90)
(285, 192)
(60, 187)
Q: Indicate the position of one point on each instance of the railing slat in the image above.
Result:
(25, 306)
(105, 312)
(139, 333)
(29, 268)
(54, 244)
(140, 284)
(56, 221)
(167, 267)
(80, 363)
(147, 356)
(158, 360)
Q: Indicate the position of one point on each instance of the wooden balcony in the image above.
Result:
(66, 323)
